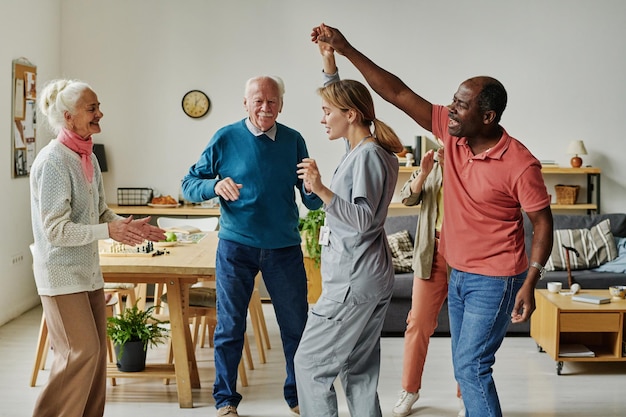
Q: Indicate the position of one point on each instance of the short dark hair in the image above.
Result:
(492, 97)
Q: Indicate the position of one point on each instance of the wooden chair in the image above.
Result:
(203, 313)
(126, 294)
(257, 319)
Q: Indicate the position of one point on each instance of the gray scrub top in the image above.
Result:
(357, 258)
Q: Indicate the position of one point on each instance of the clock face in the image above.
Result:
(196, 104)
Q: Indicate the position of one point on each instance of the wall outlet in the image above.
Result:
(17, 258)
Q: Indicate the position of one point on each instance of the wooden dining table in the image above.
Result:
(182, 266)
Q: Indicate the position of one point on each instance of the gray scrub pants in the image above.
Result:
(341, 339)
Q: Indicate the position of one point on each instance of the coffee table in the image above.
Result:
(559, 321)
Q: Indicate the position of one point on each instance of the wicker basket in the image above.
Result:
(566, 194)
(134, 196)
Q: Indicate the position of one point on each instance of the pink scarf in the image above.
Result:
(81, 146)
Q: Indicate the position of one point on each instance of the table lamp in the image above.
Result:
(576, 147)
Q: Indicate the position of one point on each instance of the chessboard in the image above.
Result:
(120, 249)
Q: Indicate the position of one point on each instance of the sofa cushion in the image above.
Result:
(401, 250)
(403, 285)
(395, 224)
(578, 221)
(617, 265)
(596, 246)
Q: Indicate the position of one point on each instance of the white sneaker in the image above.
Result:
(404, 404)
(462, 411)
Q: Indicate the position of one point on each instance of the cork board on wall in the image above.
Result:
(24, 117)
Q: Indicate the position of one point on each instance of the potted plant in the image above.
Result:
(132, 332)
(309, 229)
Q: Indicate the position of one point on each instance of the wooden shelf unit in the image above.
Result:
(592, 175)
(403, 175)
(593, 187)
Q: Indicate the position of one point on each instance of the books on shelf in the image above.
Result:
(592, 299)
(548, 162)
(575, 351)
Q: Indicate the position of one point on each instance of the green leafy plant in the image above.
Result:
(135, 324)
(310, 228)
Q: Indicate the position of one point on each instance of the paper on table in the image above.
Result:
(575, 351)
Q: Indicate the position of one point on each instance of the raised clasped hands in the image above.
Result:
(332, 37)
(134, 232)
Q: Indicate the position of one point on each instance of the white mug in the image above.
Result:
(554, 286)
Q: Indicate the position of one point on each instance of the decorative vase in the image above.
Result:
(576, 161)
(131, 357)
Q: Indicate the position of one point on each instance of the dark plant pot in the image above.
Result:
(132, 358)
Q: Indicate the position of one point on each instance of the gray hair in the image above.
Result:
(58, 97)
(277, 80)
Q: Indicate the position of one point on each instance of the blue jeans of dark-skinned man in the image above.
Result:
(285, 279)
(480, 312)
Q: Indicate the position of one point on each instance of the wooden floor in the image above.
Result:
(526, 381)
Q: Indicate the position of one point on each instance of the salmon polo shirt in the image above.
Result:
(484, 195)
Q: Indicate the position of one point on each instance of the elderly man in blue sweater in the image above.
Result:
(251, 166)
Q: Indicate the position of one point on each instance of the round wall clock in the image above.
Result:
(196, 104)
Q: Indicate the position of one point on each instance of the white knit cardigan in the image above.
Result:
(69, 216)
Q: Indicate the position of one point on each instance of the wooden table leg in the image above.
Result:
(184, 355)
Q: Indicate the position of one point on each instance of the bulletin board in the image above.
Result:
(24, 117)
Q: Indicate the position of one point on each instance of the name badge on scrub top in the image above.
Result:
(324, 234)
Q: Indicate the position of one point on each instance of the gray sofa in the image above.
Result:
(395, 320)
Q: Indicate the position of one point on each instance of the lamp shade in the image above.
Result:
(577, 147)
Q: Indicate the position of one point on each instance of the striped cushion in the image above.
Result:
(596, 246)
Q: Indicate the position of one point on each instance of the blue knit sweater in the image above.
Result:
(265, 215)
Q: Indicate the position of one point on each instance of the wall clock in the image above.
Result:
(196, 104)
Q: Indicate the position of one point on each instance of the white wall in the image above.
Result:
(562, 62)
(31, 29)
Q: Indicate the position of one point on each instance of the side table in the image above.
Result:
(559, 321)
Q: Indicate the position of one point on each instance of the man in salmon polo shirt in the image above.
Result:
(489, 178)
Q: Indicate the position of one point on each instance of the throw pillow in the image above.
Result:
(596, 246)
(401, 250)
(617, 265)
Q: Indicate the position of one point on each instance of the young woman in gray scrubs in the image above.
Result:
(342, 335)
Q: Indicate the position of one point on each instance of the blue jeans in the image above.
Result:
(480, 312)
(285, 279)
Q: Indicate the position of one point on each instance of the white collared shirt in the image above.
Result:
(270, 133)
